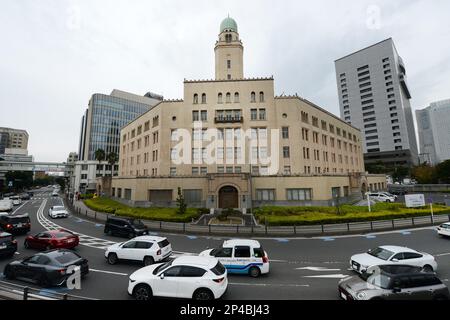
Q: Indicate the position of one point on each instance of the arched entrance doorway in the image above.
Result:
(228, 197)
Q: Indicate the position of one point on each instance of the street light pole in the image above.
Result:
(368, 202)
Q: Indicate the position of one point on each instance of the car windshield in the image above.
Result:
(137, 223)
(381, 253)
(58, 208)
(380, 280)
(67, 258)
(162, 267)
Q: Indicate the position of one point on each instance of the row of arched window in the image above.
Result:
(228, 97)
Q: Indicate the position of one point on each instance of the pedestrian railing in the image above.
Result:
(12, 291)
(262, 230)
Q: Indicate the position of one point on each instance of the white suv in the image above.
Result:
(382, 197)
(189, 277)
(57, 212)
(146, 249)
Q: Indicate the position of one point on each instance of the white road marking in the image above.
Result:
(109, 272)
(442, 255)
(266, 284)
(321, 269)
(17, 209)
(329, 276)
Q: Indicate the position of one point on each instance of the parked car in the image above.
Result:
(390, 195)
(16, 200)
(47, 269)
(55, 193)
(18, 224)
(385, 255)
(394, 282)
(30, 193)
(378, 196)
(241, 256)
(146, 249)
(48, 240)
(57, 212)
(8, 246)
(189, 277)
(6, 205)
(127, 227)
(444, 229)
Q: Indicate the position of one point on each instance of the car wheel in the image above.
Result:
(112, 258)
(254, 272)
(9, 274)
(142, 292)
(427, 268)
(203, 294)
(148, 261)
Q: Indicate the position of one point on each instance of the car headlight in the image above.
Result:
(361, 295)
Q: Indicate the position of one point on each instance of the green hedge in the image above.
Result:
(156, 214)
(288, 216)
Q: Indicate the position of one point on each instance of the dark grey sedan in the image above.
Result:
(393, 282)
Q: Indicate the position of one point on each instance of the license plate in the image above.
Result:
(343, 296)
(19, 225)
(2, 246)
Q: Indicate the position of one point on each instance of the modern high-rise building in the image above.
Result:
(434, 132)
(374, 96)
(106, 115)
(13, 139)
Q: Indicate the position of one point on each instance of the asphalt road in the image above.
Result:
(301, 268)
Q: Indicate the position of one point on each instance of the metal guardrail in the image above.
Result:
(12, 291)
(261, 230)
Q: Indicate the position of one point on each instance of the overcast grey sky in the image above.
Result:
(55, 54)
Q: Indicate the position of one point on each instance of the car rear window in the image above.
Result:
(67, 258)
(19, 219)
(259, 252)
(219, 269)
(163, 243)
(58, 208)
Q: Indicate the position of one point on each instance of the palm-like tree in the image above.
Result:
(100, 155)
(112, 160)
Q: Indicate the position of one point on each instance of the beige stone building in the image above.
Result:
(230, 142)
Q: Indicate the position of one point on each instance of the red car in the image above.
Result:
(48, 240)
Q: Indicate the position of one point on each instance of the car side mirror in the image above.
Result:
(397, 290)
(394, 260)
(161, 276)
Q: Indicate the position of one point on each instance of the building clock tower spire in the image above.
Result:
(229, 52)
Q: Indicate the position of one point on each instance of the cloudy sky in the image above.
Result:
(55, 54)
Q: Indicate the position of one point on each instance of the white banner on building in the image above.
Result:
(415, 200)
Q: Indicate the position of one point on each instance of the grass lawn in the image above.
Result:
(288, 216)
(158, 214)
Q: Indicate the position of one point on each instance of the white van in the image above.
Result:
(16, 200)
(6, 205)
(241, 257)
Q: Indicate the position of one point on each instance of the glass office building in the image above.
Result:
(106, 115)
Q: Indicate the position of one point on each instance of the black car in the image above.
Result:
(18, 224)
(25, 196)
(30, 193)
(126, 227)
(8, 246)
(46, 269)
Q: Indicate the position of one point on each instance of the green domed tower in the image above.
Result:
(229, 52)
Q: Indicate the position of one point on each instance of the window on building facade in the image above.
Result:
(219, 98)
(287, 170)
(203, 98)
(229, 64)
(265, 194)
(298, 194)
(195, 101)
(195, 116)
(204, 115)
(286, 152)
(253, 97)
(262, 114)
(285, 132)
(254, 114)
(236, 97)
(261, 96)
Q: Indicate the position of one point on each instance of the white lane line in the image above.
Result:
(320, 269)
(109, 272)
(329, 276)
(266, 284)
(442, 255)
(17, 209)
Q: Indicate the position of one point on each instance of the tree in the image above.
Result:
(181, 202)
(100, 155)
(378, 168)
(443, 172)
(112, 159)
(19, 179)
(400, 173)
(424, 174)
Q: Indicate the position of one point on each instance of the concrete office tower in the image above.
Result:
(13, 139)
(374, 97)
(106, 115)
(434, 132)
